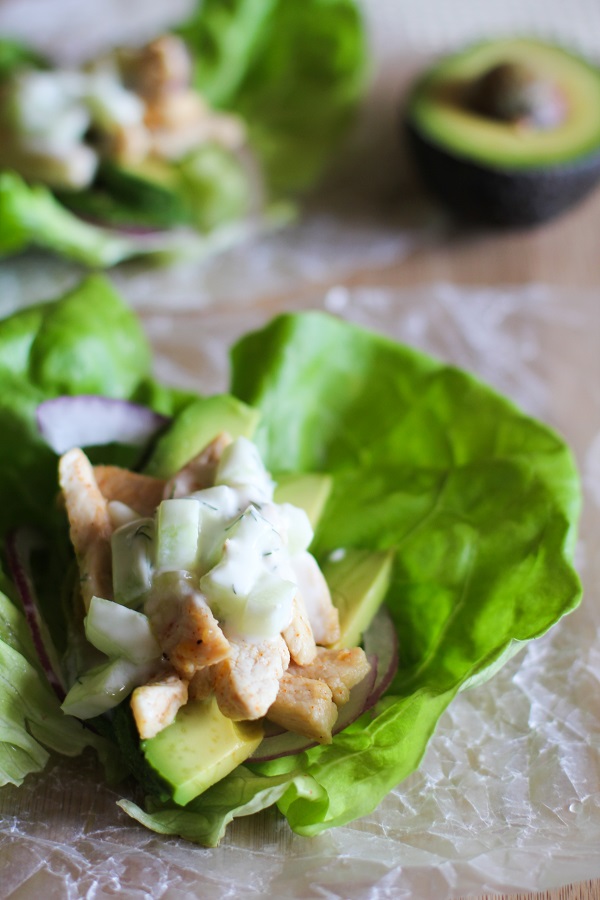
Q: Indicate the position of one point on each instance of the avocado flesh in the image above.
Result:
(438, 111)
(197, 426)
(147, 195)
(309, 490)
(500, 172)
(200, 748)
(358, 582)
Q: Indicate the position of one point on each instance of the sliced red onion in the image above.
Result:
(381, 639)
(19, 547)
(88, 420)
(381, 647)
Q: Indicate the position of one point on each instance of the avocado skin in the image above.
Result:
(503, 197)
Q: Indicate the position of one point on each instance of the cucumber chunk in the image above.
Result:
(119, 631)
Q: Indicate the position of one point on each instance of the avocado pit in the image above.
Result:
(515, 93)
(507, 132)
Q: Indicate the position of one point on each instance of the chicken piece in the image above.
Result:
(298, 635)
(247, 683)
(175, 141)
(322, 614)
(188, 633)
(127, 144)
(140, 492)
(202, 684)
(155, 705)
(176, 112)
(340, 670)
(163, 66)
(90, 525)
(199, 472)
(304, 706)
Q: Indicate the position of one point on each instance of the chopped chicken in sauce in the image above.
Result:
(223, 579)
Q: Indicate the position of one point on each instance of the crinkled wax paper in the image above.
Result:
(508, 795)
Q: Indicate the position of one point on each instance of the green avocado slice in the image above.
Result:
(438, 111)
(196, 427)
(358, 581)
(308, 490)
(200, 748)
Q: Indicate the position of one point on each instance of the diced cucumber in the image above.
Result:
(268, 608)
(104, 687)
(119, 631)
(132, 551)
(218, 505)
(178, 527)
(244, 588)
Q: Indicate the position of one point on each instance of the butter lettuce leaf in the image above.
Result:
(294, 71)
(31, 720)
(31, 216)
(87, 342)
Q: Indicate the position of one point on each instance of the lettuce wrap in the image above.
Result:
(279, 82)
(478, 502)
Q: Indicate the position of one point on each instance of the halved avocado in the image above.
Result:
(507, 131)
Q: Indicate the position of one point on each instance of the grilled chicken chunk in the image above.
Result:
(90, 524)
(339, 669)
(202, 685)
(246, 684)
(309, 696)
(140, 492)
(304, 706)
(155, 705)
(188, 633)
(298, 635)
(322, 614)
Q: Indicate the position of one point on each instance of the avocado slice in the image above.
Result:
(147, 195)
(529, 151)
(308, 490)
(196, 427)
(200, 748)
(358, 581)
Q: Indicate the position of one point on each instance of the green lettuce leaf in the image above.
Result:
(30, 216)
(14, 55)
(31, 720)
(88, 342)
(293, 71)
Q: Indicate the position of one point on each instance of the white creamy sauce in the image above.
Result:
(249, 548)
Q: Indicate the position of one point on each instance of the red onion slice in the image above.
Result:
(89, 420)
(19, 546)
(381, 647)
(381, 639)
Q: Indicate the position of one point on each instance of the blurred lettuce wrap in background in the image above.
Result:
(478, 503)
(203, 131)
